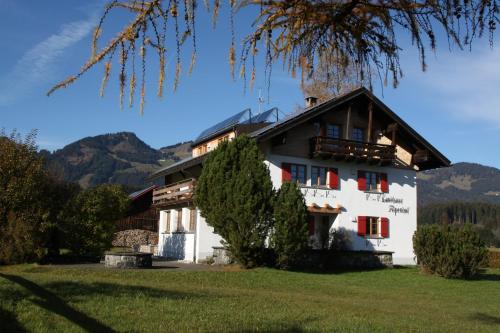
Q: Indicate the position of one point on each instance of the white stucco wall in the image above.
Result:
(206, 239)
(402, 195)
(173, 244)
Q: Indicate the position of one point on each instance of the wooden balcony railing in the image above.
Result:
(352, 150)
(174, 193)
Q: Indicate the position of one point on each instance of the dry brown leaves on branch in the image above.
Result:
(363, 36)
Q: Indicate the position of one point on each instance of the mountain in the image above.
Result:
(461, 182)
(112, 158)
(177, 152)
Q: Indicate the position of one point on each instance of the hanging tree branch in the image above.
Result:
(359, 35)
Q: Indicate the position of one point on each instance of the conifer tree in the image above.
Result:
(289, 237)
(234, 194)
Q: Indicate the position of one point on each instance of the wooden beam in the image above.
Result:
(392, 127)
(327, 209)
(393, 141)
(370, 120)
(348, 123)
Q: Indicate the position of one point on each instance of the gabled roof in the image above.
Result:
(136, 195)
(178, 166)
(302, 116)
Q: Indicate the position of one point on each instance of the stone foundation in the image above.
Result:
(315, 259)
(363, 259)
(128, 260)
(221, 256)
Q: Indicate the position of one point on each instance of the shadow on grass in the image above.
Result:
(312, 270)
(486, 277)
(290, 327)
(55, 303)
(9, 323)
(71, 289)
(486, 318)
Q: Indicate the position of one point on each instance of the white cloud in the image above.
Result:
(466, 84)
(38, 65)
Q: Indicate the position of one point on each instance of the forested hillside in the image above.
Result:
(462, 193)
(485, 216)
(120, 158)
(460, 182)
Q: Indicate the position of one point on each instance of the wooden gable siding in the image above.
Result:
(296, 141)
(297, 138)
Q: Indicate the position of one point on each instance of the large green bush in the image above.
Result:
(289, 237)
(90, 219)
(21, 199)
(449, 251)
(234, 194)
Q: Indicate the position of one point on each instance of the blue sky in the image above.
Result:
(455, 104)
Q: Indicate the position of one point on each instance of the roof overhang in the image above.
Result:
(312, 112)
(179, 166)
(325, 210)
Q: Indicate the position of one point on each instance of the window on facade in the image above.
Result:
(372, 181)
(298, 173)
(167, 221)
(192, 220)
(333, 131)
(318, 176)
(202, 149)
(224, 138)
(358, 134)
(179, 220)
(372, 226)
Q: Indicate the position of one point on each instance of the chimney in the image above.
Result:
(311, 101)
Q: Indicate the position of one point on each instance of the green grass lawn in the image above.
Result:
(57, 299)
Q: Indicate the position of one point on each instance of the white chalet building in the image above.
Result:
(354, 159)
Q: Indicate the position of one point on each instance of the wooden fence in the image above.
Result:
(147, 220)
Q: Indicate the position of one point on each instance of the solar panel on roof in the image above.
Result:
(242, 117)
(233, 120)
(269, 116)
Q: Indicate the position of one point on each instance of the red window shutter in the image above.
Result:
(286, 175)
(361, 225)
(361, 180)
(384, 185)
(384, 227)
(311, 225)
(333, 178)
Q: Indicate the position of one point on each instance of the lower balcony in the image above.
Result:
(175, 193)
(350, 150)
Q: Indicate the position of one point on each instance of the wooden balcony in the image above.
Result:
(175, 193)
(350, 150)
